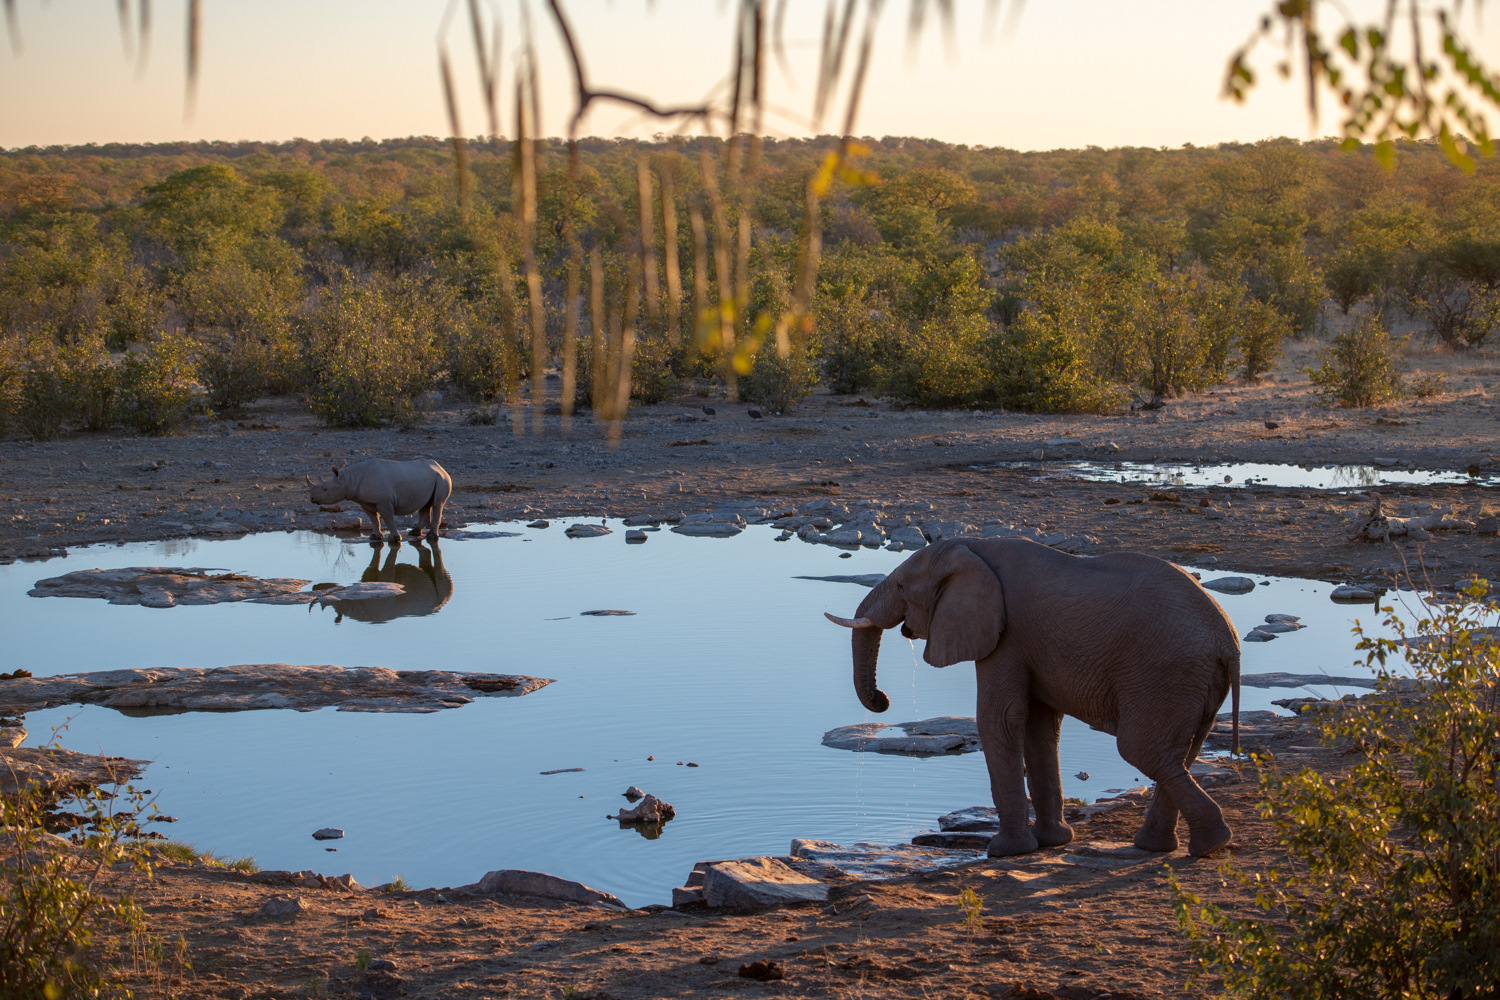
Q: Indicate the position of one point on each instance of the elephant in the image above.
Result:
(427, 587)
(1127, 643)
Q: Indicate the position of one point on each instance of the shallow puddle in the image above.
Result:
(727, 663)
(1328, 477)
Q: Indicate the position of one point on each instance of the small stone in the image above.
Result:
(1230, 584)
(1082, 776)
(1258, 634)
(1349, 594)
(587, 531)
(635, 536)
(1290, 619)
(608, 613)
(329, 833)
(539, 524)
(766, 971)
(282, 906)
(632, 793)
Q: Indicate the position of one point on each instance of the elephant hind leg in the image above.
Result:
(1177, 791)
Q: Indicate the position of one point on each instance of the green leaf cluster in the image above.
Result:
(1391, 887)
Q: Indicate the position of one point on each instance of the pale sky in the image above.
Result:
(1073, 72)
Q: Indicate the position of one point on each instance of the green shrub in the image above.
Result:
(371, 350)
(234, 370)
(61, 933)
(94, 380)
(1392, 885)
(654, 369)
(45, 399)
(156, 391)
(941, 363)
(777, 382)
(1036, 367)
(1360, 368)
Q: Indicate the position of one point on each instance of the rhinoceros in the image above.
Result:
(384, 489)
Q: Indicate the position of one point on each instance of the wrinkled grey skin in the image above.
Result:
(384, 489)
(427, 586)
(1127, 643)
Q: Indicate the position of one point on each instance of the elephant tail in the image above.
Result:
(1234, 703)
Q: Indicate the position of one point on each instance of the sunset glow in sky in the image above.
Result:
(1071, 73)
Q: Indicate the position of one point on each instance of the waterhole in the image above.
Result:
(727, 663)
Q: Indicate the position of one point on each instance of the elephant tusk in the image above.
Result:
(850, 622)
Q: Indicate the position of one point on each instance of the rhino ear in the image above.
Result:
(335, 469)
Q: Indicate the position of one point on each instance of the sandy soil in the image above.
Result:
(1065, 922)
(1076, 931)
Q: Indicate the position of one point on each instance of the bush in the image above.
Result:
(777, 382)
(1360, 368)
(45, 399)
(57, 925)
(653, 369)
(234, 370)
(1394, 890)
(156, 389)
(1037, 368)
(370, 351)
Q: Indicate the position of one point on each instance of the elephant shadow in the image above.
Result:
(426, 586)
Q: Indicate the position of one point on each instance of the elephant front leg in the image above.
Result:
(1001, 721)
(1044, 776)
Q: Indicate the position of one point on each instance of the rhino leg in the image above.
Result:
(388, 512)
(374, 516)
(435, 513)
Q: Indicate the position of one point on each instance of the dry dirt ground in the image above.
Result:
(1070, 931)
(1069, 922)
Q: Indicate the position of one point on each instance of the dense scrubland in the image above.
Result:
(142, 284)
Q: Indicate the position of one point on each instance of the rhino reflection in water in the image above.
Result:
(427, 586)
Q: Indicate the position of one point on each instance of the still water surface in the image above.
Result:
(1331, 477)
(727, 663)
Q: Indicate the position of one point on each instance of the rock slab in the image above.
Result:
(247, 687)
(759, 884)
(520, 882)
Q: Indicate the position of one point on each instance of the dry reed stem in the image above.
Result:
(570, 334)
(647, 238)
(597, 320)
(668, 171)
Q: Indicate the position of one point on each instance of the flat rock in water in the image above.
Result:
(944, 735)
(587, 531)
(1230, 584)
(710, 529)
(167, 586)
(1348, 594)
(468, 536)
(1279, 627)
(252, 686)
(520, 882)
(62, 770)
(539, 524)
(972, 818)
(608, 613)
(328, 833)
(955, 840)
(874, 861)
(863, 579)
(759, 884)
(635, 536)
(1258, 634)
(1278, 679)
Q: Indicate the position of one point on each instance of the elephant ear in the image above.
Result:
(969, 612)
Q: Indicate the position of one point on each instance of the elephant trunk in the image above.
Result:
(881, 609)
(866, 643)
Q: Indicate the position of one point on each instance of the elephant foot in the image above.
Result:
(1152, 840)
(395, 538)
(415, 532)
(1209, 839)
(377, 539)
(1052, 835)
(1003, 845)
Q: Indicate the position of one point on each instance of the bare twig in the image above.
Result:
(587, 95)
